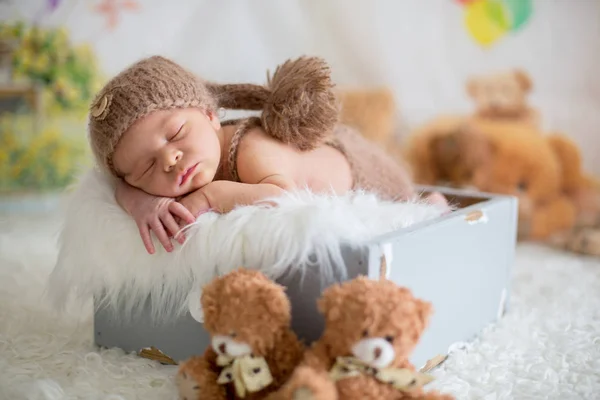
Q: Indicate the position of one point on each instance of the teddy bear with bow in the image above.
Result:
(253, 350)
(371, 328)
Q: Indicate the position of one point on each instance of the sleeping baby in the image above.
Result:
(155, 128)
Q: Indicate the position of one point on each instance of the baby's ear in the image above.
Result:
(214, 119)
(524, 80)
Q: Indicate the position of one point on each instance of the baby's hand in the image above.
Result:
(158, 214)
(153, 213)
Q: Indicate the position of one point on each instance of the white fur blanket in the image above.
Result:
(101, 253)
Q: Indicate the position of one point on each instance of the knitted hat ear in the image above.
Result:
(298, 104)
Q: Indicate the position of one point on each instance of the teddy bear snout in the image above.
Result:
(225, 345)
(376, 352)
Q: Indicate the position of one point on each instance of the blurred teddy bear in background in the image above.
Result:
(373, 111)
(503, 96)
(446, 152)
(559, 202)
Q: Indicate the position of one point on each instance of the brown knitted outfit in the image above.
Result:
(298, 107)
(372, 168)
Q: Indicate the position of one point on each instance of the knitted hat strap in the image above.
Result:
(239, 96)
(243, 127)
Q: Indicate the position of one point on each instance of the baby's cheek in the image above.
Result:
(203, 177)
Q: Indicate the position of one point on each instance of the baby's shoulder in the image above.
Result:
(256, 141)
(259, 155)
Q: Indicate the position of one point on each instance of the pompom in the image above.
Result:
(302, 108)
(298, 103)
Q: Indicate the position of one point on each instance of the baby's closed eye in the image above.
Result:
(178, 132)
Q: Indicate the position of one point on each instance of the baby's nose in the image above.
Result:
(171, 161)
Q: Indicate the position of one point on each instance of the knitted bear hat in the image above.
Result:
(298, 102)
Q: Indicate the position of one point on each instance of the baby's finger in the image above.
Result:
(145, 234)
(172, 226)
(162, 236)
(179, 210)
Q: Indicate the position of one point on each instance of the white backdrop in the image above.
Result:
(419, 48)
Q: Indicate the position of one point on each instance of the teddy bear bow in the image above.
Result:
(247, 373)
(402, 379)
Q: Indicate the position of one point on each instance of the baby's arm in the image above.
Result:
(265, 167)
(224, 196)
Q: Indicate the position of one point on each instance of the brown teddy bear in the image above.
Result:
(558, 203)
(371, 328)
(583, 188)
(524, 164)
(503, 96)
(556, 198)
(444, 152)
(371, 111)
(253, 350)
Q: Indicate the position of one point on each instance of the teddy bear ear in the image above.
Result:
(210, 304)
(524, 80)
(276, 302)
(330, 303)
(472, 85)
(424, 311)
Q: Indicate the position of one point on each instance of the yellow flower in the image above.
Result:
(17, 30)
(41, 63)
(60, 84)
(61, 37)
(60, 54)
(37, 35)
(26, 59)
(84, 53)
(70, 93)
(28, 38)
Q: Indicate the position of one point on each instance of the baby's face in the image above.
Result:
(170, 152)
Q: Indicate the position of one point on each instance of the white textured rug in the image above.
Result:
(548, 345)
